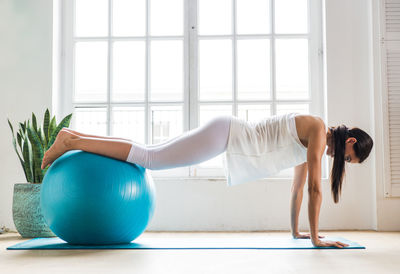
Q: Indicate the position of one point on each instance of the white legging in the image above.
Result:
(189, 148)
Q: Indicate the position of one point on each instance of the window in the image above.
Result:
(150, 70)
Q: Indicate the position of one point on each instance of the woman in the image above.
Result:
(253, 150)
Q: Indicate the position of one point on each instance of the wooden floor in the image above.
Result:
(382, 255)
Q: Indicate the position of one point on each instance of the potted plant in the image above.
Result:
(33, 141)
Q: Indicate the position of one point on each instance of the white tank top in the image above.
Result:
(260, 149)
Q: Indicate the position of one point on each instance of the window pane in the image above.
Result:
(292, 68)
(253, 113)
(166, 122)
(287, 108)
(253, 69)
(129, 17)
(128, 71)
(207, 112)
(166, 17)
(291, 16)
(215, 17)
(90, 71)
(253, 16)
(166, 70)
(90, 120)
(128, 122)
(91, 17)
(215, 64)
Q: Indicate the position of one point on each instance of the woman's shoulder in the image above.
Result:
(308, 125)
(312, 122)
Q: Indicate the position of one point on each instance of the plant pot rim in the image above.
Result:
(26, 184)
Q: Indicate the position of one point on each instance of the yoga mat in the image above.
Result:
(189, 243)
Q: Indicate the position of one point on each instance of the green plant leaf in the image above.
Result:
(26, 171)
(21, 130)
(41, 138)
(27, 166)
(23, 136)
(23, 126)
(15, 146)
(34, 122)
(64, 123)
(68, 120)
(37, 155)
(46, 123)
(19, 140)
(12, 129)
(16, 150)
(13, 140)
(52, 127)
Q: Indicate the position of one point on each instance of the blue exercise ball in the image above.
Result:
(90, 199)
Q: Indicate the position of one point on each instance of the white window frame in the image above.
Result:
(190, 97)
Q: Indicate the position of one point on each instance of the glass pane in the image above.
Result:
(128, 122)
(253, 16)
(207, 112)
(254, 113)
(292, 68)
(90, 71)
(129, 65)
(91, 17)
(288, 108)
(129, 17)
(166, 17)
(215, 64)
(215, 17)
(166, 74)
(291, 16)
(90, 121)
(253, 69)
(166, 122)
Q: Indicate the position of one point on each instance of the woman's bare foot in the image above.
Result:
(60, 146)
(75, 132)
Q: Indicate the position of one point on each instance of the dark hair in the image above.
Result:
(362, 148)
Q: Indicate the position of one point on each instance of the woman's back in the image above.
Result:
(260, 149)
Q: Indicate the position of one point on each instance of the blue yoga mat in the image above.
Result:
(189, 243)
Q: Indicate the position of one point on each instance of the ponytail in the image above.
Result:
(340, 135)
(362, 149)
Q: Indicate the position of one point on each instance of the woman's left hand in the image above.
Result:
(304, 236)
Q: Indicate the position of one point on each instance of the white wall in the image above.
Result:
(25, 81)
(349, 86)
(211, 205)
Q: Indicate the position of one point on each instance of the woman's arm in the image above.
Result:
(300, 175)
(314, 198)
(315, 150)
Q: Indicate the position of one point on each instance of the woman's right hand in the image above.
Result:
(320, 243)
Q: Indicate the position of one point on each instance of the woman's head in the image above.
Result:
(346, 145)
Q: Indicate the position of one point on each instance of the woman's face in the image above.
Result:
(349, 153)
